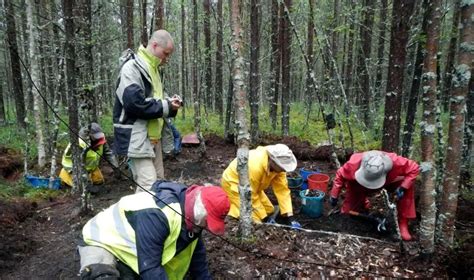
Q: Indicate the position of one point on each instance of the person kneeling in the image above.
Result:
(157, 235)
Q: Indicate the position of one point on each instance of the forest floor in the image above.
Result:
(39, 239)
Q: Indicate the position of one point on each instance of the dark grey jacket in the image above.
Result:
(134, 106)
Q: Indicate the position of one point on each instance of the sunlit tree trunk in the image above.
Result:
(219, 91)
(243, 139)
(254, 77)
(428, 195)
(402, 9)
(285, 72)
(459, 93)
(34, 73)
(15, 64)
(275, 64)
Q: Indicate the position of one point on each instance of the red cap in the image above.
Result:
(217, 206)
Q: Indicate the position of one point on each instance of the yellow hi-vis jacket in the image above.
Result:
(111, 230)
(92, 157)
(260, 179)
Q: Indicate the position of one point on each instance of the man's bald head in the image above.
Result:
(161, 45)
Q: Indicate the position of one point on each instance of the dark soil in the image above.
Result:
(39, 240)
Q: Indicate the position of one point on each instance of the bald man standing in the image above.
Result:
(140, 106)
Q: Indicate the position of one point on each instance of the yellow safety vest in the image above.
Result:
(110, 230)
(92, 157)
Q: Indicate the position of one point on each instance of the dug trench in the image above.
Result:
(39, 239)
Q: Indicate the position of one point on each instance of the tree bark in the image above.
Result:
(129, 12)
(254, 82)
(393, 97)
(275, 64)
(350, 58)
(78, 165)
(15, 64)
(309, 53)
(428, 195)
(33, 39)
(207, 54)
(285, 72)
(381, 49)
(184, 67)
(459, 93)
(160, 15)
(2, 104)
(243, 139)
(364, 60)
(409, 125)
(448, 73)
(144, 35)
(219, 92)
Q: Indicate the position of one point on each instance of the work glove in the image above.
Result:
(399, 192)
(333, 201)
(271, 221)
(294, 224)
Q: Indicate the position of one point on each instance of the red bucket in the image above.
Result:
(318, 181)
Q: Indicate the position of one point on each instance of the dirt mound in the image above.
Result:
(10, 164)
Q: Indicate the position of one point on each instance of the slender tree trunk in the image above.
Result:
(78, 165)
(286, 73)
(129, 12)
(254, 69)
(2, 105)
(451, 55)
(243, 140)
(309, 52)
(160, 15)
(36, 83)
(219, 93)
(334, 32)
(15, 64)
(409, 126)
(459, 93)
(350, 58)
(381, 49)
(89, 91)
(402, 11)
(428, 196)
(197, 105)
(275, 64)
(184, 67)
(207, 54)
(364, 60)
(144, 35)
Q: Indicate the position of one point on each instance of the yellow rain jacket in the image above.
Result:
(260, 179)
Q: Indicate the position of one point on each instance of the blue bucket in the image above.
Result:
(294, 183)
(42, 183)
(304, 173)
(312, 206)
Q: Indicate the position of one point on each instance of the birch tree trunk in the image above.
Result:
(402, 10)
(254, 77)
(243, 138)
(33, 53)
(459, 92)
(428, 195)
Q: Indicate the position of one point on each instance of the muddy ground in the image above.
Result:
(38, 239)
